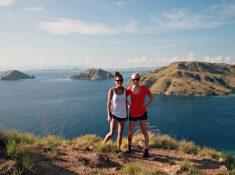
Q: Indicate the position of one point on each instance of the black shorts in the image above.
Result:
(142, 117)
(117, 118)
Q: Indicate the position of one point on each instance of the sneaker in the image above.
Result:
(129, 149)
(146, 153)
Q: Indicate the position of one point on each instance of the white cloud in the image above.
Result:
(32, 8)
(67, 26)
(175, 19)
(6, 2)
(142, 61)
(220, 59)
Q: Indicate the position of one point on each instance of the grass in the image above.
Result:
(214, 154)
(133, 168)
(108, 147)
(188, 147)
(188, 168)
(84, 141)
(165, 142)
(51, 141)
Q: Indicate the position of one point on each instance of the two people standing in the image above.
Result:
(118, 113)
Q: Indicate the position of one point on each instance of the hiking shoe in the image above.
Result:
(146, 153)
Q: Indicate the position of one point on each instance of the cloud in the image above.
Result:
(67, 26)
(6, 2)
(210, 17)
(220, 59)
(142, 61)
(174, 19)
(32, 8)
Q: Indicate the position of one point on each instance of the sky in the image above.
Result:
(115, 33)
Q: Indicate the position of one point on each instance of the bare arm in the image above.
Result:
(150, 100)
(110, 96)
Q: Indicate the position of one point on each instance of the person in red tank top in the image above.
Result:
(138, 111)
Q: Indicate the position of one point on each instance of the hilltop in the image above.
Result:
(25, 153)
(93, 74)
(14, 75)
(192, 78)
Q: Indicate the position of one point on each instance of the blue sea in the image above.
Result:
(71, 108)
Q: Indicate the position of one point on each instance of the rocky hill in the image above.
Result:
(93, 74)
(14, 75)
(192, 78)
(24, 153)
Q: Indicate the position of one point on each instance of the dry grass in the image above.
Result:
(88, 140)
(133, 168)
(51, 141)
(206, 151)
(188, 147)
(187, 168)
(108, 147)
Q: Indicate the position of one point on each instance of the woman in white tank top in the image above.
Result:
(117, 109)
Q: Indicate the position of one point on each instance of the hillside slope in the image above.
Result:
(192, 78)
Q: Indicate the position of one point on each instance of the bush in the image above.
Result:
(25, 138)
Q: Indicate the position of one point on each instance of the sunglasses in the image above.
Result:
(119, 81)
(136, 79)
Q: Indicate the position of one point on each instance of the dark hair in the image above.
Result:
(117, 74)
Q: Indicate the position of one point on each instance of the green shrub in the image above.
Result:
(14, 150)
(28, 162)
(26, 138)
(230, 162)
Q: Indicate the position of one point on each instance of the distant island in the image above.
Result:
(192, 78)
(14, 75)
(93, 74)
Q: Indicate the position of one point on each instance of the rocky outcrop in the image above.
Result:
(192, 78)
(14, 75)
(93, 74)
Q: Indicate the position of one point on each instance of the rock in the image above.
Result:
(6, 166)
(191, 78)
(14, 75)
(221, 159)
(93, 74)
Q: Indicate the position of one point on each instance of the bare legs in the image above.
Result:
(131, 132)
(120, 132)
(112, 130)
(144, 129)
(143, 125)
(113, 124)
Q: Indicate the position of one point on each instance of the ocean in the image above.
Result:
(53, 103)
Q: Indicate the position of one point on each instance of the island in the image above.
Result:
(93, 74)
(14, 75)
(191, 78)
